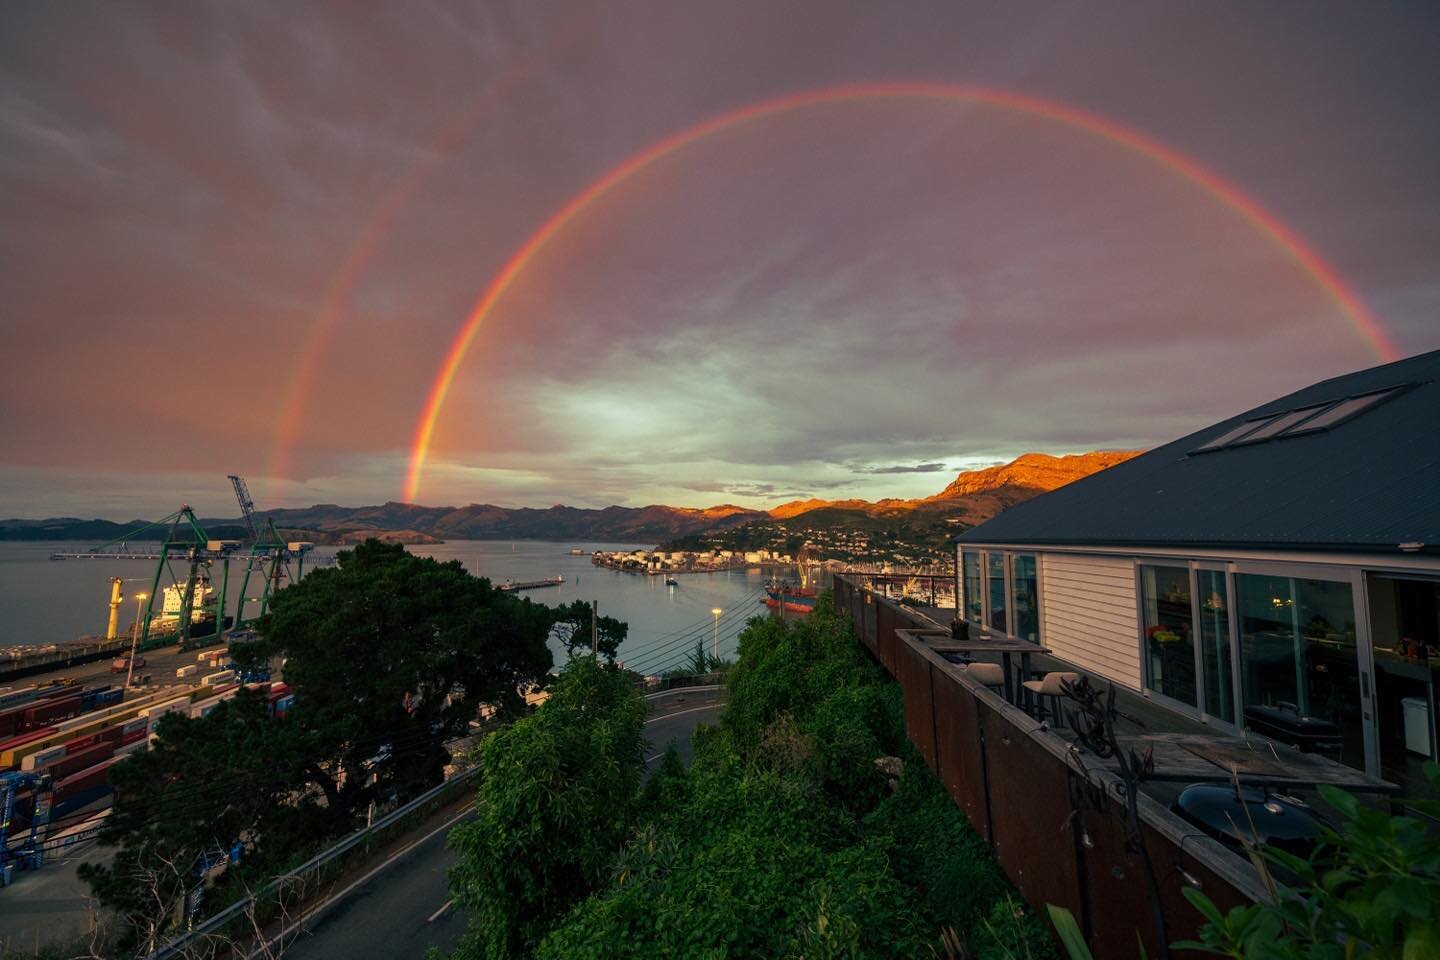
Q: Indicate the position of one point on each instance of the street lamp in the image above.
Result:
(715, 636)
(134, 639)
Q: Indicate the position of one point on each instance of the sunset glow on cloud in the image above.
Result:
(640, 253)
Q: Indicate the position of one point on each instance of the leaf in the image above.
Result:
(1069, 932)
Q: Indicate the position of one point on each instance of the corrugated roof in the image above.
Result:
(1366, 484)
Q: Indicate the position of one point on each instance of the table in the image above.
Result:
(1193, 758)
(1005, 646)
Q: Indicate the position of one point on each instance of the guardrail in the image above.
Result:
(214, 926)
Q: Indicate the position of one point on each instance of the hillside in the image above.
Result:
(908, 531)
(973, 497)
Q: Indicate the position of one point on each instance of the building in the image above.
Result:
(1277, 572)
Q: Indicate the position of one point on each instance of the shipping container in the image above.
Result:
(189, 671)
(81, 760)
(43, 758)
(215, 679)
(282, 706)
(16, 748)
(202, 707)
(138, 745)
(79, 798)
(82, 780)
(48, 712)
(18, 696)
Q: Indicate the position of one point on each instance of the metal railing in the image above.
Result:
(213, 926)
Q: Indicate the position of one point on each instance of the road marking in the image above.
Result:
(441, 912)
(677, 713)
(315, 911)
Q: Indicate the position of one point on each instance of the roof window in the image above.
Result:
(1289, 423)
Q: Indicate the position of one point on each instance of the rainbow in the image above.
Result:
(1267, 224)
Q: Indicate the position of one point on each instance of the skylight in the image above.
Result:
(1302, 420)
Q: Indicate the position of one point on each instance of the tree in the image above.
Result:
(391, 655)
(572, 629)
(208, 783)
(555, 804)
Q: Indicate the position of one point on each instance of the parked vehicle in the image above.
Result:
(122, 664)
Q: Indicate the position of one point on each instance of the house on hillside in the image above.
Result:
(1277, 572)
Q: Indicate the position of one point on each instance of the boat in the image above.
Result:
(794, 599)
(671, 582)
(576, 552)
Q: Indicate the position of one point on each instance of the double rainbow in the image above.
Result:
(1226, 193)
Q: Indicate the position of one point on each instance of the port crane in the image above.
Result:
(29, 853)
(270, 557)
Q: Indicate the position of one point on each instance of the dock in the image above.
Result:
(510, 586)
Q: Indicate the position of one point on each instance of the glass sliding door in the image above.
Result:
(1215, 663)
(1027, 597)
(995, 589)
(974, 597)
(1169, 642)
(1299, 664)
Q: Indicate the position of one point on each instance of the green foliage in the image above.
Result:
(554, 807)
(390, 655)
(572, 627)
(207, 781)
(784, 839)
(1372, 887)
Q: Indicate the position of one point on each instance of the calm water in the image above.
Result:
(42, 601)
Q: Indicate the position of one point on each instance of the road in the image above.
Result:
(406, 909)
(160, 664)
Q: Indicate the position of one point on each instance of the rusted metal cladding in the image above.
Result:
(885, 641)
(1030, 823)
(1176, 870)
(919, 716)
(957, 748)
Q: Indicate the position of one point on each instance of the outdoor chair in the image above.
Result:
(990, 674)
(1049, 689)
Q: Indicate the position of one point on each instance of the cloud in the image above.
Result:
(905, 468)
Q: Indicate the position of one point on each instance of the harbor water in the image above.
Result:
(46, 601)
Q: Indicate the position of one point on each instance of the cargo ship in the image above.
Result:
(794, 599)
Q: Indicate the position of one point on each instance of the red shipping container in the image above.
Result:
(82, 743)
(75, 762)
(132, 736)
(49, 711)
(92, 777)
(59, 690)
(10, 719)
(21, 739)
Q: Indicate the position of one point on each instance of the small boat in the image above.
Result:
(576, 552)
(671, 582)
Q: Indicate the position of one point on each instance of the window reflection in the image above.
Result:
(1027, 597)
(974, 598)
(995, 577)
(1169, 643)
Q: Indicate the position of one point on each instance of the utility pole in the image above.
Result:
(134, 641)
(594, 628)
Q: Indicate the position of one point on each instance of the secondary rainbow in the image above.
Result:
(1287, 240)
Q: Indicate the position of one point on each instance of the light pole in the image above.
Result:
(715, 636)
(134, 639)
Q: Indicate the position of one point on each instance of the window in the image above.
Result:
(1280, 424)
(995, 587)
(974, 597)
(1230, 436)
(1027, 597)
(1344, 410)
(1298, 661)
(1169, 643)
(1215, 644)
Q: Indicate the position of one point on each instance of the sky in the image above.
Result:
(243, 237)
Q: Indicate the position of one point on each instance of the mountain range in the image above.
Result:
(973, 497)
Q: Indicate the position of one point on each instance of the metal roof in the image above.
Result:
(1367, 483)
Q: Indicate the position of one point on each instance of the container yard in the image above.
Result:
(59, 740)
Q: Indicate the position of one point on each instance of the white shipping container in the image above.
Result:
(215, 679)
(130, 748)
(42, 758)
(202, 656)
(202, 707)
(189, 671)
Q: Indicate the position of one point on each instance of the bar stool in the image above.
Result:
(990, 674)
(1050, 687)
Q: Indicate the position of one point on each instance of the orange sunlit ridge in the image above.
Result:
(1266, 223)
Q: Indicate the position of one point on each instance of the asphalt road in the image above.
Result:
(406, 909)
(160, 664)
